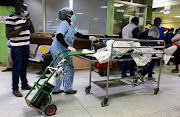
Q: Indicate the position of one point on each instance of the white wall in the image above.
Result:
(169, 22)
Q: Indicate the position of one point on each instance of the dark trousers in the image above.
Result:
(149, 68)
(20, 55)
(47, 60)
(131, 64)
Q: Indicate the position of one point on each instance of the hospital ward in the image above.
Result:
(89, 58)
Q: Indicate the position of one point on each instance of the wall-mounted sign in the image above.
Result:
(167, 9)
(3, 19)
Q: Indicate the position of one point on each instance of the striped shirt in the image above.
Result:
(15, 21)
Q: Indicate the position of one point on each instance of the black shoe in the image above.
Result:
(58, 92)
(71, 92)
(7, 69)
(39, 73)
(123, 76)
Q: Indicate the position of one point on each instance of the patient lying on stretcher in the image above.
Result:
(103, 55)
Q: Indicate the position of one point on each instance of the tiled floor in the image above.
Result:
(126, 101)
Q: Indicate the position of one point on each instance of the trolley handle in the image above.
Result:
(70, 55)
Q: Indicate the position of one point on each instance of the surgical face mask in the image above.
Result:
(73, 18)
(160, 25)
(24, 14)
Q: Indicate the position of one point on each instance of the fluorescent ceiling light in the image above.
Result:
(120, 10)
(126, 15)
(79, 13)
(118, 5)
(103, 7)
(177, 16)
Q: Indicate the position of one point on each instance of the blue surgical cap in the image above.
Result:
(63, 12)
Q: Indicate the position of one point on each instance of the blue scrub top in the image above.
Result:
(68, 32)
(161, 31)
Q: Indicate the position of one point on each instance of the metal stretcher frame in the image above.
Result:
(105, 100)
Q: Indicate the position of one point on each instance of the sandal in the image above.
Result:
(175, 71)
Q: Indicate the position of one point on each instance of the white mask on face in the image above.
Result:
(160, 25)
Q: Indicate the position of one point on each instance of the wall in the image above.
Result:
(35, 10)
(4, 11)
(169, 22)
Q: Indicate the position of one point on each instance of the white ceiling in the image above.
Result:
(162, 3)
(175, 11)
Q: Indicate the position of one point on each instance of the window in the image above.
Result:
(35, 10)
(52, 16)
(91, 16)
(123, 13)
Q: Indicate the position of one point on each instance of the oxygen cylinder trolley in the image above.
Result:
(41, 101)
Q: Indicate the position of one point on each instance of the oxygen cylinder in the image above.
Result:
(42, 96)
(37, 102)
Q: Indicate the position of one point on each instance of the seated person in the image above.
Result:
(47, 60)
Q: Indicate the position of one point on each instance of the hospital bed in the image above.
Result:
(119, 81)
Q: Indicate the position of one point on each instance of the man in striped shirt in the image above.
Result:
(18, 28)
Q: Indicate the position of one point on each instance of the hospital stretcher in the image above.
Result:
(109, 81)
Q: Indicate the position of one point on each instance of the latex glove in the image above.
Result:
(73, 50)
(93, 38)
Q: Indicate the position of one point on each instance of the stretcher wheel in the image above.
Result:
(104, 102)
(45, 101)
(135, 82)
(156, 91)
(88, 89)
(50, 109)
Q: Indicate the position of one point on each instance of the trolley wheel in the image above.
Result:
(87, 90)
(45, 101)
(104, 102)
(50, 109)
(156, 91)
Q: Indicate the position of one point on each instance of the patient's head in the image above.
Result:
(98, 45)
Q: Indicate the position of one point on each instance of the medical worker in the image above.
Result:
(64, 40)
(130, 31)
